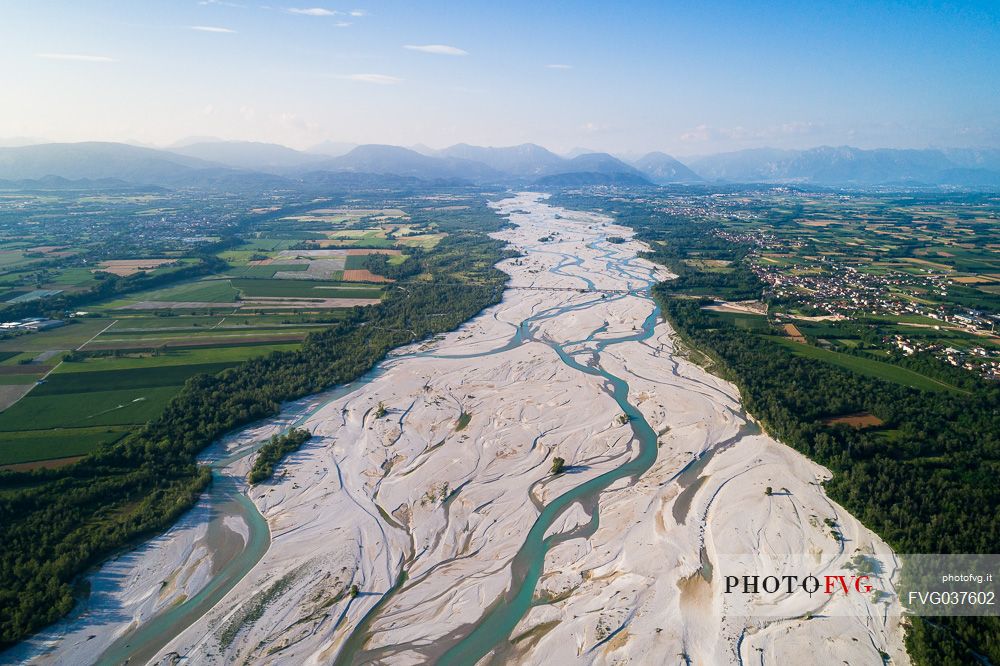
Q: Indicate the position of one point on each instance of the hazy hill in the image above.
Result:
(974, 158)
(96, 160)
(662, 168)
(754, 165)
(532, 161)
(248, 154)
(845, 165)
(51, 183)
(528, 159)
(398, 161)
(421, 148)
(852, 165)
(472, 163)
(598, 163)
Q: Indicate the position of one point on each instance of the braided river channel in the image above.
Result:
(423, 522)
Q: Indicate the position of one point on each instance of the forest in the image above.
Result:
(57, 523)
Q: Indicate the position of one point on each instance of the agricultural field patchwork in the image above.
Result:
(159, 287)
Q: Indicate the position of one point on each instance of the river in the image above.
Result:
(443, 515)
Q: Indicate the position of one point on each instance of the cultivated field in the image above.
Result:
(123, 267)
(860, 420)
(65, 391)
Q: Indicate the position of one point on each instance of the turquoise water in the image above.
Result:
(226, 500)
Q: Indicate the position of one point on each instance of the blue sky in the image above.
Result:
(685, 77)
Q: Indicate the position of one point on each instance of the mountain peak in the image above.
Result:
(662, 168)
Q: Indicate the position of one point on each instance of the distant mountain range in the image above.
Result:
(398, 161)
(96, 161)
(244, 165)
(515, 164)
(846, 166)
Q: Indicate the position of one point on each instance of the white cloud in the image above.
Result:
(321, 11)
(313, 11)
(800, 127)
(699, 133)
(212, 28)
(344, 24)
(437, 49)
(559, 66)
(381, 79)
(79, 57)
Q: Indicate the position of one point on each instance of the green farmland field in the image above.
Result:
(200, 291)
(174, 357)
(70, 336)
(756, 323)
(262, 272)
(867, 367)
(95, 408)
(150, 377)
(129, 323)
(32, 445)
(225, 334)
(303, 289)
(206, 291)
(355, 261)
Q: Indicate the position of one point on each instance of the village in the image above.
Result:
(846, 292)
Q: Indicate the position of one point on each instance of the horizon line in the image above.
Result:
(26, 142)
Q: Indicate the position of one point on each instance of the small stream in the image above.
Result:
(229, 566)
